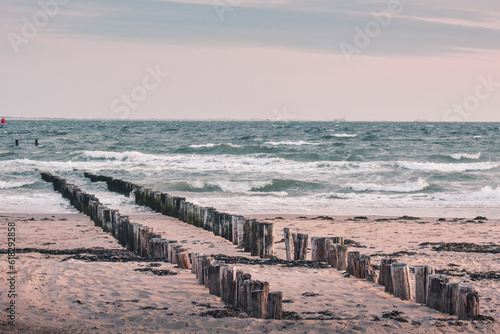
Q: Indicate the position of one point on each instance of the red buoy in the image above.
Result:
(3, 120)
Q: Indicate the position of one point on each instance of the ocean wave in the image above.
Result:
(127, 155)
(449, 168)
(290, 143)
(459, 156)
(407, 187)
(230, 186)
(342, 135)
(10, 185)
(486, 194)
(210, 145)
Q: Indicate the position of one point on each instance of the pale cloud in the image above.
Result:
(422, 28)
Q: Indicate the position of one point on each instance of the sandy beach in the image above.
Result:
(72, 277)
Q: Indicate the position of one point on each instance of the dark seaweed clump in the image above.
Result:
(273, 261)
(465, 247)
(96, 254)
(158, 272)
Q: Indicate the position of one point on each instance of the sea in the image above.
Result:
(261, 167)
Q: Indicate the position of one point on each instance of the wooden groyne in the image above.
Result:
(435, 291)
(223, 281)
(252, 236)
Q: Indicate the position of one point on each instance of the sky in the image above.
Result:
(240, 59)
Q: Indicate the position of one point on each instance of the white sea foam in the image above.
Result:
(458, 156)
(290, 143)
(344, 135)
(459, 167)
(420, 184)
(261, 163)
(29, 201)
(486, 194)
(127, 155)
(10, 185)
(210, 145)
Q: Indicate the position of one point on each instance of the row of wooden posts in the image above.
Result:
(234, 287)
(252, 236)
(135, 237)
(433, 290)
(237, 288)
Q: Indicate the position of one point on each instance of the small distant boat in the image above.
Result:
(421, 120)
(340, 119)
(3, 121)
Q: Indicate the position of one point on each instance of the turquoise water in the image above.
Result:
(444, 169)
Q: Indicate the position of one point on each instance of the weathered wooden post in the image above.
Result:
(371, 274)
(172, 256)
(222, 225)
(183, 260)
(240, 299)
(385, 277)
(216, 228)
(421, 279)
(227, 282)
(242, 295)
(435, 291)
(194, 263)
(315, 248)
(467, 302)
(208, 219)
(240, 228)
(319, 248)
(401, 280)
(259, 304)
(214, 279)
(288, 244)
(155, 244)
(352, 258)
(300, 243)
(331, 253)
(234, 230)
(228, 227)
(203, 261)
(450, 295)
(254, 248)
(144, 232)
(266, 240)
(275, 305)
(235, 292)
(342, 251)
(247, 235)
(361, 263)
(251, 285)
(151, 236)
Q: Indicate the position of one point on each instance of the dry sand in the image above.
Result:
(60, 293)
